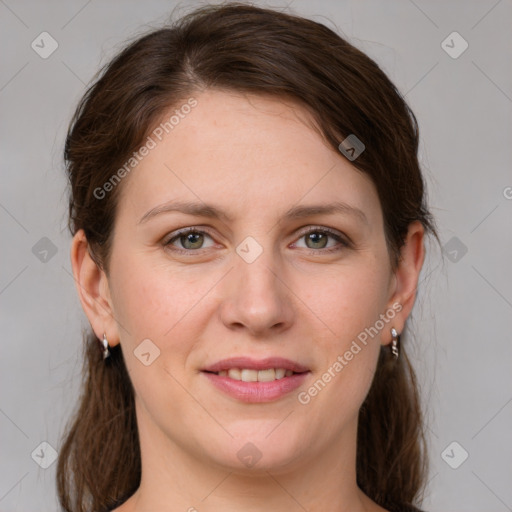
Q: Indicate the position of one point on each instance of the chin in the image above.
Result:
(266, 449)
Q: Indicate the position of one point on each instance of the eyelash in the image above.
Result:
(191, 252)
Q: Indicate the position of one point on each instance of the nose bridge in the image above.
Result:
(256, 267)
(258, 298)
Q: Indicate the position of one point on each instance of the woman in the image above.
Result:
(248, 219)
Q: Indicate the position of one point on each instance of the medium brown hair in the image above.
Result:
(244, 48)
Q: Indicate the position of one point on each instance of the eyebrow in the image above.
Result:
(296, 212)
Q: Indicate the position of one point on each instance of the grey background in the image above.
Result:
(462, 317)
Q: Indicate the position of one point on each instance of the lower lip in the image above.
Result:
(257, 391)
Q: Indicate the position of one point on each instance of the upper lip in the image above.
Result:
(255, 364)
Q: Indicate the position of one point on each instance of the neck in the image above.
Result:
(176, 478)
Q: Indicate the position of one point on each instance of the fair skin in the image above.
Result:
(253, 158)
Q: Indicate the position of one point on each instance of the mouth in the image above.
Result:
(249, 375)
(250, 380)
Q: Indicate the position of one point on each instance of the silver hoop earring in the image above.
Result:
(104, 346)
(394, 343)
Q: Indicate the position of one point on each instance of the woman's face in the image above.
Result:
(249, 285)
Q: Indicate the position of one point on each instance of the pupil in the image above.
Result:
(317, 237)
(190, 238)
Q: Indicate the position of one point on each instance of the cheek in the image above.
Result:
(163, 305)
(349, 301)
(349, 307)
(154, 304)
(151, 301)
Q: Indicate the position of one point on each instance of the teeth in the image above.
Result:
(234, 373)
(247, 375)
(266, 375)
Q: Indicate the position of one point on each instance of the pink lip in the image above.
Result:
(253, 364)
(257, 391)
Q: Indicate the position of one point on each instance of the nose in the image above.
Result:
(257, 297)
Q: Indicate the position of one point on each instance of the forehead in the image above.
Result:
(249, 153)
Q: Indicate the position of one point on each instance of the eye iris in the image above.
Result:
(192, 238)
(316, 237)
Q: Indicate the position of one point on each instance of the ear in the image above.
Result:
(406, 276)
(93, 290)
